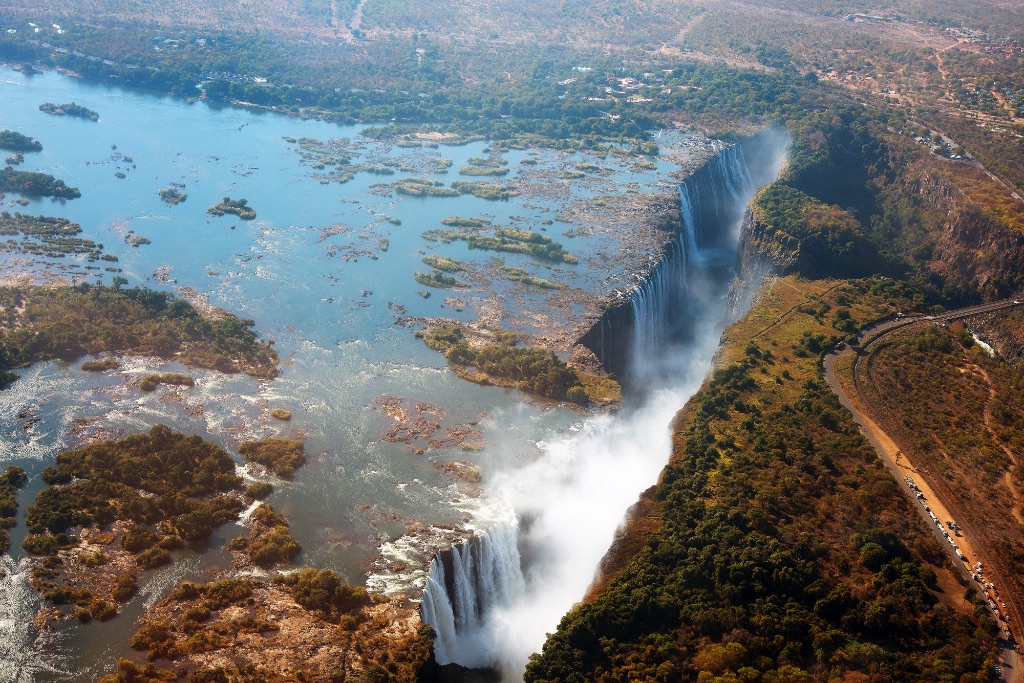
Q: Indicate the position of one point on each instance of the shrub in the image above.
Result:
(154, 557)
(125, 587)
(136, 538)
(259, 490)
(282, 456)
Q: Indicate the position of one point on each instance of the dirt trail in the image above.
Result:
(989, 424)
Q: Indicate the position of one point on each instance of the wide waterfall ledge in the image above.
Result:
(491, 600)
(656, 311)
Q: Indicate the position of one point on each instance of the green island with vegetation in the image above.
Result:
(70, 109)
(485, 190)
(483, 170)
(101, 365)
(33, 184)
(522, 276)
(438, 280)
(460, 222)
(66, 323)
(11, 480)
(422, 187)
(238, 207)
(510, 240)
(269, 542)
(18, 142)
(148, 493)
(280, 456)
(443, 263)
(505, 363)
(152, 381)
(172, 196)
(47, 236)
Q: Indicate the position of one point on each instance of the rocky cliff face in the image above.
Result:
(958, 251)
(705, 227)
(971, 249)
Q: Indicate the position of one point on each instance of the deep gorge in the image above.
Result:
(660, 339)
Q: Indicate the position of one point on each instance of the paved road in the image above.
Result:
(930, 503)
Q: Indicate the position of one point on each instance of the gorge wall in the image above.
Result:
(491, 599)
(712, 203)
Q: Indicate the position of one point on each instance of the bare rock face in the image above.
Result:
(967, 251)
(1004, 333)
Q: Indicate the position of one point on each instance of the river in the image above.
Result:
(326, 271)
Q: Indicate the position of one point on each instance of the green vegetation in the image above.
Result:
(70, 109)
(10, 481)
(487, 162)
(101, 365)
(534, 244)
(443, 263)
(173, 196)
(818, 238)
(238, 207)
(323, 591)
(46, 236)
(509, 240)
(280, 456)
(169, 489)
(503, 362)
(35, 184)
(483, 171)
(17, 142)
(484, 190)
(522, 276)
(438, 280)
(420, 187)
(258, 490)
(776, 546)
(280, 414)
(269, 543)
(39, 323)
(460, 222)
(152, 381)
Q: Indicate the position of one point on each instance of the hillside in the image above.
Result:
(775, 532)
(785, 550)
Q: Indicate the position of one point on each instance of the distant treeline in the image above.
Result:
(399, 85)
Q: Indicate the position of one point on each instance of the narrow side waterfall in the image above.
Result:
(493, 599)
(466, 584)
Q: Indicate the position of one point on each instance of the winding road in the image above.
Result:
(928, 503)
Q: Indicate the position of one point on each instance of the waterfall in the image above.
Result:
(659, 300)
(492, 599)
(466, 585)
(631, 335)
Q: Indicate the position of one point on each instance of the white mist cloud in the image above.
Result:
(570, 500)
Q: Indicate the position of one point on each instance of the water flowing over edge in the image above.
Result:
(492, 600)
